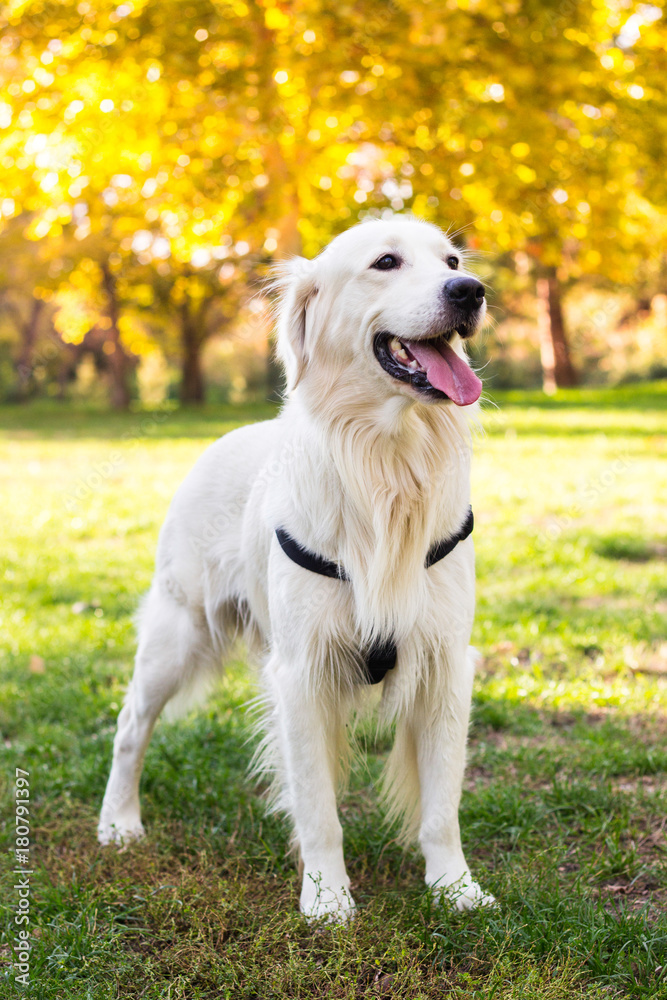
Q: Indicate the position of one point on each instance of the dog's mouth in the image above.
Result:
(430, 366)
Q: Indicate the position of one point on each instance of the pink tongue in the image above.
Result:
(446, 371)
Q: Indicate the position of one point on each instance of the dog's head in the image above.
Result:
(382, 311)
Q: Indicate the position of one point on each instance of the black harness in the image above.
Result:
(381, 656)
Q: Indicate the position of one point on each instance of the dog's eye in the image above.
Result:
(453, 262)
(387, 262)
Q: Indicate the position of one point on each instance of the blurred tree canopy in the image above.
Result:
(157, 155)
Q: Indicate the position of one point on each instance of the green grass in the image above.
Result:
(566, 793)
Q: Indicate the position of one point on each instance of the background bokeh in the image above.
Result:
(157, 156)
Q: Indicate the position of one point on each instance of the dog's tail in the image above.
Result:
(400, 784)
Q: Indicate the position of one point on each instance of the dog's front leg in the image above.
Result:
(308, 731)
(440, 731)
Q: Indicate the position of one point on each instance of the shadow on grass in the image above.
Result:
(636, 396)
(52, 419)
(633, 548)
(49, 420)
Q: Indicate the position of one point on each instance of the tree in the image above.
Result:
(557, 368)
(259, 128)
(25, 287)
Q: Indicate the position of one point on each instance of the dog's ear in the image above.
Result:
(296, 281)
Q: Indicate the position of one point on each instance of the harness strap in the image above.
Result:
(307, 559)
(443, 548)
(380, 658)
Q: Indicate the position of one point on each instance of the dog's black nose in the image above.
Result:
(466, 293)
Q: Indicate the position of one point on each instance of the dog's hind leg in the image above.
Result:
(174, 648)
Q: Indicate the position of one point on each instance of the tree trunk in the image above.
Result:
(557, 368)
(28, 331)
(192, 379)
(119, 361)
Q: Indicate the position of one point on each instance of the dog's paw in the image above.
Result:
(469, 897)
(464, 894)
(321, 902)
(119, 833)
(330, 911)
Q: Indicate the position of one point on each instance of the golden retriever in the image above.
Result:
(320, 536)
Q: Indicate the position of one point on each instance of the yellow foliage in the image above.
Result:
(164, 142)
(75, 315)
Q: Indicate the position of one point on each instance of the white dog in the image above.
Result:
(335, 538)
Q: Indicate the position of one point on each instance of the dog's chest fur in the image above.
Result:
(395, 494)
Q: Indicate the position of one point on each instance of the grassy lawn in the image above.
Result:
(566, 794)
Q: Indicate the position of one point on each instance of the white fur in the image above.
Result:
(361, 470)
